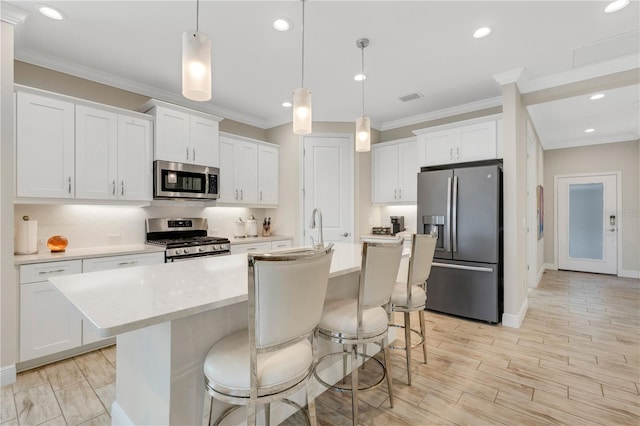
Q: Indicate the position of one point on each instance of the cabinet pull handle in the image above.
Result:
(260, 195)
(133, 262)
(236, 195)
(400, 193)
(241, 195)
(458, 152)
(187, 148)
(53, 271)
(113, 187)
(194, 155)
(450, 153)
(395, 194)
(121, 187)
(69, 185)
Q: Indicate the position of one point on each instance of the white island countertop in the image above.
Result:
(119, 301)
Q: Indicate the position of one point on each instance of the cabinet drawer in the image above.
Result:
(250, 248)
(277, 245)
(119, 262)
(43, 271)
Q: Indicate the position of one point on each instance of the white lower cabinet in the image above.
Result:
(48, 322)
(260, 247)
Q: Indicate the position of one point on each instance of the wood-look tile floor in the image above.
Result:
(575, 360)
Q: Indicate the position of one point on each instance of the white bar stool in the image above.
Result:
(274, 357)
(411, 296)
(358, 321)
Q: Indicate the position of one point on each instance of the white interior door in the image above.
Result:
(328, 186)
(588, 223)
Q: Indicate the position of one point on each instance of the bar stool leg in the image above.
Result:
(387, 368)
(424, 335)
(354, 385)
(311, 406)
(267, 414)
(407, 344)
(251, 415)
(345, 355)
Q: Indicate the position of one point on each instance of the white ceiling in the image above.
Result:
(415, 46)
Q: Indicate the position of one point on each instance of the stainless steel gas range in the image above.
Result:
(185, 238)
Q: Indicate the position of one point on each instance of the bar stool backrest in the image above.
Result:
(423, 248)
(380, 264)
(286, 294)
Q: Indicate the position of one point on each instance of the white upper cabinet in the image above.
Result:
(45, 149)
(394, 172)
(268, 171)
(458, 143)
(248, 171)
(99, 152)
(183, 135)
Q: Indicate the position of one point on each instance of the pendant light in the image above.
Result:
(302, 99)
(363, 124)
(196, 63)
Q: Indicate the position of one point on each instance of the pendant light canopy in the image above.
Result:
(196, 63)
(302, 99)
(363, 124)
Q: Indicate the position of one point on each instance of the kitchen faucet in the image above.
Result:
(313, 225)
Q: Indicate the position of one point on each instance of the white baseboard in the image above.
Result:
(118, 416)
(7, 375)
(550, 266)
(540, 273)
(627, 273)
(514, 321)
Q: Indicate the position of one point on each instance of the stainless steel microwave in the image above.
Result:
(185, 181)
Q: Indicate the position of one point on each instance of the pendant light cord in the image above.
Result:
(363, 78)
(302, 83)
(197, 16)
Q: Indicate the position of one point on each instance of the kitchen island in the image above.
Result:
(166, 317)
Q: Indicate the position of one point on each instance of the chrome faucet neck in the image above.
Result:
(313, 225)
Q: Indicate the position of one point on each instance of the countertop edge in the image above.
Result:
(85, 253)
(252, 240)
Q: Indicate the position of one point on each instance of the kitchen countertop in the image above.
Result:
(119, 301)
(84, 253)
(252, 240)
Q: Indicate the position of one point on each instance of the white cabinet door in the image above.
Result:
(135, 145)
(247, 166)
(268, 174)
(204, 141)
(476, 142)
(96, 153)
(48, 322)
(408, 172)
(228, 190)
(438, 148)
(385, 173)
(172, 135)
(45, 135)
(250, 248)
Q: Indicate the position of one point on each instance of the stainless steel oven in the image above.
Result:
(185, 238)
(185, 181)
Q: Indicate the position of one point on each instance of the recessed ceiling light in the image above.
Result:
(287, 104)
(482, 32)
(359, 77)
(51, 13)
(615, 6)
(282, 24)
(597, 96)
(590, 130)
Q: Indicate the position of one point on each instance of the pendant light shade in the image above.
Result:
(302, 111)
(363, 134)
(363, 124)
(302, 99)
(196, 63)
(196, 66)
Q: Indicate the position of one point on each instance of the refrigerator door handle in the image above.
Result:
(454, 216)
(463, 267)
(447, 222)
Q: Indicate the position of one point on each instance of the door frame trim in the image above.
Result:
(349, 136)
(618, 175)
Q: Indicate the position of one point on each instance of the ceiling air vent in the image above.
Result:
(411, 97)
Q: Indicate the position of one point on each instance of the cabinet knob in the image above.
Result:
(113, 187)
(69, 184)
(187, 148)
(121, 187)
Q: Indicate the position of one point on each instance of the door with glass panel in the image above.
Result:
(588, 223)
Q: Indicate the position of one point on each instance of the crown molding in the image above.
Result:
(81, 71)
(597, 141)
(623, 63)
(11, 14)
(442, 113)
(508, 77)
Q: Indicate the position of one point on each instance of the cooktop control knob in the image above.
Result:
(202, 248)
(178, 251)
(186, 250)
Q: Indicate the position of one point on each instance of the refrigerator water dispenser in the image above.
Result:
(434, 225)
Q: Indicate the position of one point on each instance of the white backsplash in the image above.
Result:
(99, 225)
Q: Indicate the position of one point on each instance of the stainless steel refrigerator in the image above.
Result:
(463, 206)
